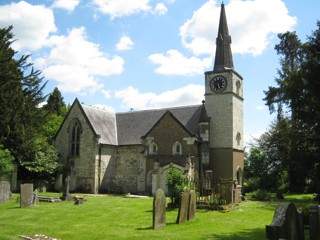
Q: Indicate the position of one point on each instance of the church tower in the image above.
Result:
(224, 105)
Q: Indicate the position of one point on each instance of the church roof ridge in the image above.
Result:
(159, 109)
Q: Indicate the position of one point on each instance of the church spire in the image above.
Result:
(223, 59)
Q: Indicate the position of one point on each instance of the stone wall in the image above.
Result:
(83, 167)
(128, 166)
(107, 166)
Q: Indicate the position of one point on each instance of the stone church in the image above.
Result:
(103, 151)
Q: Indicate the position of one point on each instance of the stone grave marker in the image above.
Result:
(314, 222)
(285, 224)
(183, 207)
(4, 191)
(66, 195)
(159, 210)
(26, 195)
(192, 205)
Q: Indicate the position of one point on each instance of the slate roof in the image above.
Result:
(132, 126)
(128, 128)
(223, 57)
(103, 123)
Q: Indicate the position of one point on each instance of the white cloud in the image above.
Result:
(125, 43)
(120, 8)
(76, 63)
(260, 107)
(251, 23)
(174, 63)
(68, 5)
(188, 95)
(160, 9)
(32, 24)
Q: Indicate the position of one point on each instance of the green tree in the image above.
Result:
(267, 160)
(6, 162)
(296, 97)
(21, 118)
(175, 183)
(55, 103)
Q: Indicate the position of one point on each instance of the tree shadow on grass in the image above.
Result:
(249, 234)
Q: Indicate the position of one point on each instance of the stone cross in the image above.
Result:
(159, 210)
(4, 191)
(26, 195)
(66, 195)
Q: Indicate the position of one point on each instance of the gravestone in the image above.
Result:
(26, 195)
(285, 224)
(314, 222)
(183, 207)
(4, 191)
(192, 205)
(159, 210)
(66, 195)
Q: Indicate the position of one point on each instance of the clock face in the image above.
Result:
(218, 84)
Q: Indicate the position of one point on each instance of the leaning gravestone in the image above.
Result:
(4, 191)
(314, 222)
(285, 224)
(26, 195)
(192, 205)
(183, 207)
(159, 210)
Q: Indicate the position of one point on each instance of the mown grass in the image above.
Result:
(117, 217)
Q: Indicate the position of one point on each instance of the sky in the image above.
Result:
(124, 55)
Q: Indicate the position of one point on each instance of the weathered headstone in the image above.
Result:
(192, 205)
(4, 191)
(66, 195)
(314, 222)
(183, 207)
(159, 210)
(285, 224)
(26, 195)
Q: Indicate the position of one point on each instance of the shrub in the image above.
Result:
(175, 182)
(261, 195)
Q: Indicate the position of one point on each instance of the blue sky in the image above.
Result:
(142, 54)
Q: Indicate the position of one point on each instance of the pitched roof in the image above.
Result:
(131, 126)
(128, 128)
(103, 123)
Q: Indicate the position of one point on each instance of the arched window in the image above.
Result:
(153, 148)
(177, 149)
(75, 139)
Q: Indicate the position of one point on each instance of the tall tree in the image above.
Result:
(297, 81)
(55, 103)
(21, 92)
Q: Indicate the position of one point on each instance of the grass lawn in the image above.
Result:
(117, 217)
